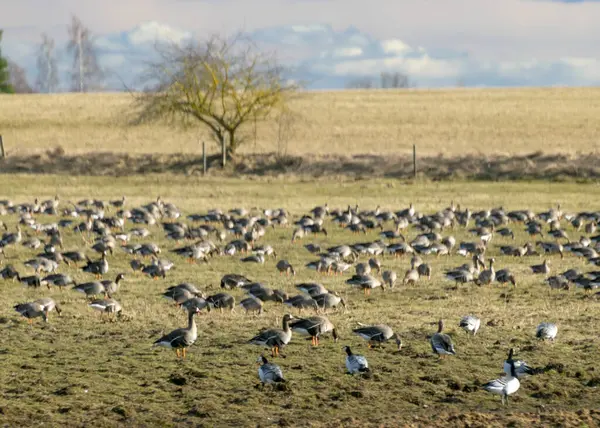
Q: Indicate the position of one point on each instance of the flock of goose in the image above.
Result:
(109, 227)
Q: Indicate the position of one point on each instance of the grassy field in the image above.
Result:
(449, 122)
(80, 371)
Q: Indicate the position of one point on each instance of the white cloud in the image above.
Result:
(395, 46)
(347, 52)
(152, 31)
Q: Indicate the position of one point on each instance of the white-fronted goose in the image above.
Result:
(543, 269)
(285, 266)
(355, 363)
(362, 269)
(254, 258)
(389, 278)
(58, 279)
(441, 343)
(314, 327)
(366, 282)
(38, 308)
(301, 302)
(312, 289)
(221, 301)
(275, 338)
(111, 286)
(329, 300)
(269, 373)
(181, 338)
(470, 324)
(98, 268)
(379, 333)
(233, 280)
(106, 306)
(505, 275)
(252, 304)
(487, 276)
(9, 272)
(195, 303)
(91, 289)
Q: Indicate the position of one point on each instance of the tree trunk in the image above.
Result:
(224, 150)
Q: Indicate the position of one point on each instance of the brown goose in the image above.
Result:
(181, 338)
(38, 308)
(314, 327)
(285, 266)
(275, 338)
(544, 268)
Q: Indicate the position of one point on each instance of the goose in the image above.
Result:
(389, 278)
(182, 292)
(252, 304)
(339, 267)
(74, 257)
(355, 363)
(314, 327)
(312, 289)
(470, 324)
(106, 306)
(424, 270)
(181, 338)
(11, 238)
(441, 343)
(91, 289)
(221, 301)
(301, 302)
(254, 258)
(329, 300)
(546, 330)
(233, 280)
(119, 203)
(379, 333)
(487, 276)
(38, 308)
(269, 373)
(504, 386)
(375, 264)
(31, 281)
(366, 282)
(32, 243)
(112, 287)
(504, 275)
(42, 264)
(362, 269)
(9, 272)
(195, 303)
(313, 248)
(544, 268)
(58, 279)
(411, 276)
(266, 294)
(521, 367)
(98, 268)
(275, 338)
(285, 266)
(558, 282)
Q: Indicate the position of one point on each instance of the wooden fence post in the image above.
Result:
(224, 151)
(204, 157)
(2, 152)
(415, 161)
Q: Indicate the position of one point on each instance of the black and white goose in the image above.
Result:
(355, 363)
(521, 367)
(268, 372)
(546, 331)
(470, 324)
(504, 386)
(441, 343)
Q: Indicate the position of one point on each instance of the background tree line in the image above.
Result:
(85, 75)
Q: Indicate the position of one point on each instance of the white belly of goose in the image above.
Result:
(356, 364)
(503, 386)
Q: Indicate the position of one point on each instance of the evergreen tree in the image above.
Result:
(5, 86)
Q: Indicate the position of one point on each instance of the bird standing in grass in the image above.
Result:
(268, 372)
(442, 343)
(355, 363)
(504, 386)
(181, 338)
(470, 324)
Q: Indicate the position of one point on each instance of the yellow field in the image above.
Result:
(452, 122)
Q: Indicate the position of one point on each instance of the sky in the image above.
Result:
(436, 42)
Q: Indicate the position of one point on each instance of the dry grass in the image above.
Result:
(80, 371)
(450, 122)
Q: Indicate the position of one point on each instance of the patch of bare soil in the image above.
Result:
(533, 166)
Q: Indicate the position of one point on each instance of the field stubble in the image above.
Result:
(78, 370)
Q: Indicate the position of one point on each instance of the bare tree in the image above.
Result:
(87, 74)
(221, 84)
(394, 80)
(47, 78)
(364, 82)
(18, 78)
